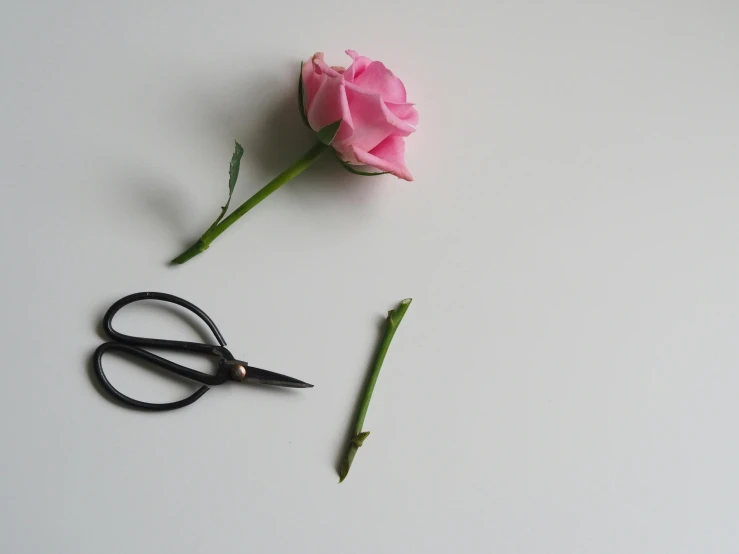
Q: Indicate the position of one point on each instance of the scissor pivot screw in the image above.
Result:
(238, 372)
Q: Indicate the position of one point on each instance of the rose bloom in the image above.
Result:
(371, 102)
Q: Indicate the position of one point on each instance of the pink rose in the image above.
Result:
(361, 112)
(372, 105)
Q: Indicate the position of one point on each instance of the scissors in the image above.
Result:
(229, 368)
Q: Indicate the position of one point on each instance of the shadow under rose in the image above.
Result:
(260, 111)
(161, 200)
(262, 114)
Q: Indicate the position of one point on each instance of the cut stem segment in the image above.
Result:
(394, 317)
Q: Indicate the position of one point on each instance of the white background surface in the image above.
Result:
(566, 378)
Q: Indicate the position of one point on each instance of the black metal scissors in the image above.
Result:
(228, 366)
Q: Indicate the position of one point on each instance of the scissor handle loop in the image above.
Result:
(140, 404)
(160, 343)
(131, 345)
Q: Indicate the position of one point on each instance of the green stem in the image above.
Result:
(394, 317)
(291, 172)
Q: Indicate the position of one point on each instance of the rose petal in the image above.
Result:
(389, 156)
(372, 121)
(311, 82)
(358, 66)
(405, 111)
(328, 105)
(379, 79)
(322, 67)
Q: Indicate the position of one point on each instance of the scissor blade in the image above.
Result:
(264, 377)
